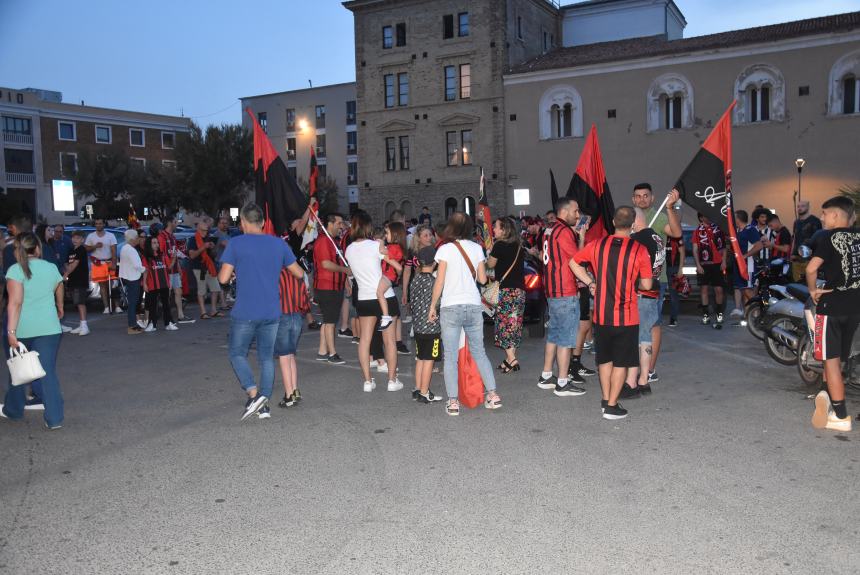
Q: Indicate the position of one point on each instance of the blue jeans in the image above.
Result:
(470, 319)
(563, 325)
(132, 296)
(242, 334)
(48, 387)
(674, 298)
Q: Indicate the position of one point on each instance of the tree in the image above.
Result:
(327, 194)
(105, 179)
(852, 192)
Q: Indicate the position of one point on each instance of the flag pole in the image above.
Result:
(334, 243)
(659, 211)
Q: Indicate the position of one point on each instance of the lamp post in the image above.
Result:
(799, 162)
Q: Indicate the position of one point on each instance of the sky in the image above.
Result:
(198, 57)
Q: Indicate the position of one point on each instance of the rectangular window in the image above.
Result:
(263, 118)
(68, 164)
(352, 173)
(291, 119)
(403, 89)
(320, 145)
(67, 131)
(390, 155)
(15, 125)
(764, 100)
(321, 171)
(673, 113)
(401, 34)
(136, 138)
(404, 152)
(320, 114)
(387, 37)
(168, 140)
(453, 148)
(351, 143)
(463, 24)
(851, 95)
(291, 148)
(466, 141)
(465, 81)
(138, 162)
(450, 83)
(103, 135)
(447, 26)
(388, 80)
(350, 113)
(545, 42)
(169, 164)
(18, 161)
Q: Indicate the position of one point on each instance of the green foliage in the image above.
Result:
(852, 192)
(327, 192)
(105, 179)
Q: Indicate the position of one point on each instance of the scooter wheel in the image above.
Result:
(753, 316)
(808, 374)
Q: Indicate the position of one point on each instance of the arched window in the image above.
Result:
(450, 207)
(845, 85)
(406, 208)
(760, 93)
(670, 103)
(389, 208)
(560, 113)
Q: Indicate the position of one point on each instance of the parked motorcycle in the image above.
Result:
(770, 282)
(784, 323)
(811, 370)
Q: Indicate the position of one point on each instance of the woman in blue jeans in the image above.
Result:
(35, 309)
(462, 263)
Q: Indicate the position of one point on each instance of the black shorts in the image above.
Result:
(79, 295)
(584, 304)
(329, 302)
(713, 276)
(618, 345)
(428, 347)
(370, 308)
(834, 335)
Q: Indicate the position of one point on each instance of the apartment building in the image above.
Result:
(322, 118)
(431, 109)
(43, 138)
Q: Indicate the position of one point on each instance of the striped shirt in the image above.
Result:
(294, 294)
(559, 247)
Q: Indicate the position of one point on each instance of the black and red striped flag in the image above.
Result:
(590, 190)
(484, 206)
(315, 173)
(706, 184)
(553, 190)
(278, 194)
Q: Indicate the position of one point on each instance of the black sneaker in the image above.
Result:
(573, 376)
(335, 359)
(344, 333)
(706, 319)
(673, 323)
(402, 349)
(253, 405)
(415, 394)
(548, 383)
(603, 404)
(429, 398)
(568, 390)
(614, 412)
(355, 340)
(264, 413)
(653, 377)
(322, 357)
(297, 395)
(314, 325)
(584, 371)
(288, 401)
(645, 389)
(628, 392)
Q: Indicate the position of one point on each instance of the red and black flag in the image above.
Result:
(278, 194)
(553, 190)
(590, 190)
(706, 184)
(484, 206)
(315, 173)
(133, 222)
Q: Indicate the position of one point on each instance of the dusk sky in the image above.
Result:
(198, 57)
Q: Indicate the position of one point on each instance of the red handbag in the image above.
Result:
(469, 383)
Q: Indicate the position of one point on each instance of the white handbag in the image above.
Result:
(24, 366)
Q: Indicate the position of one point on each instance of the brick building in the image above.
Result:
(44, 137)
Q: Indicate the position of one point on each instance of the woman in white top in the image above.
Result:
(364, 256)
(130, 272)
(461, 308)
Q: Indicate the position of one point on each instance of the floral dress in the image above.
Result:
(512, 295)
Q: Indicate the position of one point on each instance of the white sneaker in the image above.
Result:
(171, 327)
(149, 328)
(75, 331)
(117, 309)
(395, 385)
(369, 385)
(65, 328)
(382, 368)
(736, 314)
(106, 311)
(142, 324)
(83, 330)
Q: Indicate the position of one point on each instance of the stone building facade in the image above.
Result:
(431, 107)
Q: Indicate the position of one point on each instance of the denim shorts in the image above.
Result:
(289, 331)
(176, 281)
(660, 299)
(563, 320)
(649, 312)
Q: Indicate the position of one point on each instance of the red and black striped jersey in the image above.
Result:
(294, 293)
(559, 247)
(156, 272)
(618, 263)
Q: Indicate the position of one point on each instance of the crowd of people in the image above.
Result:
(376, 284)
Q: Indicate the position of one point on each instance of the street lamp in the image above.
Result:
(799, 162)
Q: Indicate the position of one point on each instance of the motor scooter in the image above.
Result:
(811, 370)
(770, 288)
(784, 323)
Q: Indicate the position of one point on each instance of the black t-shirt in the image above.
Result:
(80, 276)
(505, 252)
(653, 242)
(804, 230)
(191, 244)
(840, 250)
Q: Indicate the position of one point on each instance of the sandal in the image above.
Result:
(217, 314)
(509, 367)
(205, 316)
(452, 407)
(493, 400)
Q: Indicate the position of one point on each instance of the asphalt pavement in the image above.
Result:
(718, 471)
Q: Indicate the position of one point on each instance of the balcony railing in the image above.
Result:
(20, 179)
(17, 138)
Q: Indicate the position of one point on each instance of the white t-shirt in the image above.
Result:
(107, 240)
(366, 263)
(130, 266)
(460, 285)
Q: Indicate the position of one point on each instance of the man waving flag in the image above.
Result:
(590, 190)
(706, 184)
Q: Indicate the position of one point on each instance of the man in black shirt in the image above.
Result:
(77, 277)
(805, 227)
(835, 253)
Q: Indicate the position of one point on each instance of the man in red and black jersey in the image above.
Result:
(560, 244)
(618, 263)
(329, 279)
(709, 251)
